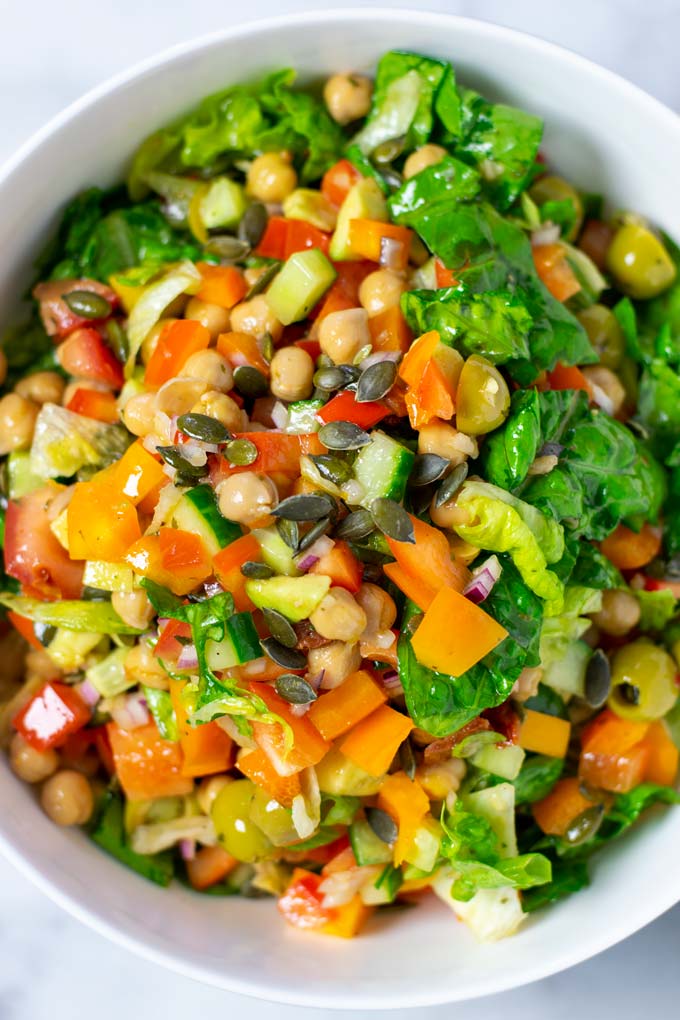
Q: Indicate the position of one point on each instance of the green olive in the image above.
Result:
(643, 682)
(482, 398)
(629, 373)
(551, 188)
(235, 829)
(272, 818)
(604, 333)
(639, 262)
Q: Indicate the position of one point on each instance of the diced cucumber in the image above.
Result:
(69, 649)
(497, 805)
(364, 201)
(240, 643)
(384, 889)
(312, 206)
(425, 276)
(368, 848)
(21, 478)
(567, 674)
(198, 512)
(413, 874)
(108, 676)
(224, 203)
(382, 468)
(339, 776)
(500, 761)
(275, 553)
(161, 708)
(108, 576)
(424, 849)
(302, 417)
(302, 281)
(295, 597)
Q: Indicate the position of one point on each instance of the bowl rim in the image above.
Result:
(595, 940)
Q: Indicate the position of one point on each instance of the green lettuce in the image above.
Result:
(536, 778)
(108, 832)
(73, 614)
(657, 609)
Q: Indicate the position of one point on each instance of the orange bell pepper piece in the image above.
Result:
(413, 587)
(373, 742)
(617, 773)
(554, 271)
(257, 767)
(431, 398)
(309, 747)
(565, 802)
(366, 240)
(146, 765)
(662, 757)
(341, 565)
(630, 550)
(138, 473)
(337, 182)
(242, 349)
(94, 404)
(608, 733)
(177, 342)
(184, 554)
(428, 560)
(145, 558)
(544, 734)
(102, 522)
(348, 920)
(389, 330)
(337, 711)
(206, 749)
(569, 377)
(24, 626)
(227, 566)
(445, 277)
(415, 360)
(455, 634)
(210, 865)
(222, 285)
(302, 907)
(406, 803)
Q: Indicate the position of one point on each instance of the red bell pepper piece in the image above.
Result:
(282, 238)
(338, 181)
(276, 451)
(52, 715)
(345, 407)
(94, 404)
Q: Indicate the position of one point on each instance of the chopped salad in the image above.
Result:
(341, 507)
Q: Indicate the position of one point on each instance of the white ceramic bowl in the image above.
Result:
(601, 132)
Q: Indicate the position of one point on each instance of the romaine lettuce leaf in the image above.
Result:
(109, 833)
(657, 609)
(536, 778)
(89, 617)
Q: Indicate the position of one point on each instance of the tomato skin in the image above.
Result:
(32, 553)
(301, 905)
(94, 404)
(85, 355)
(57, 317)
(338, 180)
(51, 716)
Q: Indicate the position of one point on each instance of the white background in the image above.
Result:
(52, 967)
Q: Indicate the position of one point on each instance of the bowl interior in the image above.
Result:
(600, 132)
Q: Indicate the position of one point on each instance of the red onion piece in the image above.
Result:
(279, 415)
(212, 588)
(391, 682)
(307, 562)
(483, 580)
(188, 657)
(88, 692)
(129, 711)
(309, 557)
(392, 253)
(187, 849)
(377, 357)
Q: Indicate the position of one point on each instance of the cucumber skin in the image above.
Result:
(383, 468)
(198, 512)
(368, 848)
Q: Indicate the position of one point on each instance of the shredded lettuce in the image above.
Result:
(90, 617)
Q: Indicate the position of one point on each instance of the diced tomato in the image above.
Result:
(257, 767)
(85, 354)
(301, 905)
(227, 566)
(206, 749)
(569, 377)
(145, 558)
(654, 584)
(57, 317)
(595, 239)
(184, 554)
(345, 407)
(210, 865)
(554, 271)
(341, 565)
(102, 523)
(338, 181)
(308, 748)
(97, 404)
(168, 645)
(52, 715)
(32, 553)
(242, 349)
(283, 238)
(276, 452)
(313, 347)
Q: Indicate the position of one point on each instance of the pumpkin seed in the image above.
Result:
(87, 304)
(392, 177)
(598, 680)
(253, 224)
(332, 468)
(391, 518)
(343, 435)
(251, 568)
(356, 525)
(451, 484)
(289, 658)
(407, 759)
(227, 247)
(117, 338)
(263, 280)
(585, 825)
(203, 427)
(249, 382)
(420, 499)
(295, 689)
(388, 151)
(330, 378)
(280, 628)
(427, 468)
(352, 372)
(289, 532)
(172, 455)
(376, 381)
(382, 825)
(316, 531)
(240, 452)
(267, 347)
(310, 506)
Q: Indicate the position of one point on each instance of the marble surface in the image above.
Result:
(51, 965)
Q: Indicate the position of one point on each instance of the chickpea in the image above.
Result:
(211, 368)
(339, 617)
(142, 666)
(67, 798)
(620, 612)
(378, 606)
(292, 370)
(17, 422)
(446, 441)
(526, 685)
(138, 414)
(178, 396)
(30, 764)
(256, 318)
(348, 96)
(208, 790)
(343, 334)
(222, 407)
(41, 387)
(214, 317)
(3, 366)
(271, 177)
(133, 607)
(38, 664)
(438, 779)
(336, 660)
(449, 514)
(426, 155)
(246, 497)
(380, 290)
(610, 384)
